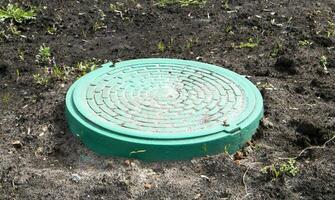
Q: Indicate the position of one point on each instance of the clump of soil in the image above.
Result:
(331, 63)
(3, 70)
(323, 41)
(311, 133)
(285, 64)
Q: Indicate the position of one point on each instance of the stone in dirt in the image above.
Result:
(75, 178)
(17, 144)
(266, 123)
(147, 186)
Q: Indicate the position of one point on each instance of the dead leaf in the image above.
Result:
(238, 155)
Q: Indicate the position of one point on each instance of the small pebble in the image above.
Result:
(147, 186)
(17, 144)
(267, 123)
(127, 162)
(197, 196)
(75, 178)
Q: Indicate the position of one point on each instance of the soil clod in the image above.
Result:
(3, 69)
(311, 133)
(285, 64)
(331, 63)
(323, 41)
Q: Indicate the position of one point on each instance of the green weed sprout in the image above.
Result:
(44, 54)
(13, 12)
(182, 3)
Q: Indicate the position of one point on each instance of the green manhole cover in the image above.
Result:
(163, 109)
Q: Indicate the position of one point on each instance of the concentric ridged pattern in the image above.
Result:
(165, 98)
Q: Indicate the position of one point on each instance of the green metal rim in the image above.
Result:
(111, 139)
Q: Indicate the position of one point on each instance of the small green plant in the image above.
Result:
(265, 86)
(59, 73)
(83, 33)
(189, 44)
(17, 72)
(3, 35)
(304, 43)
(250, 44)
(116, 7)
(13, 12)
(171, 43)
(257, 147)
(50, 74)
(86, 66)
(41, 79)
(289, 168)
(229, 30)
(99, 25)
(324, 62)
(225, 4)
(330, 30)
(276, 170)
(161, 46)
(6, 98)
(276, 50)
(226, 147)
(44, 54)
(52, 29)
(182, 3)
(101, 14)
(13, 29)
(191, 41)
(20, 53)
(271, 170)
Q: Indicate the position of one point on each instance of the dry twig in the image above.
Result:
(244, 183)
(309, 148)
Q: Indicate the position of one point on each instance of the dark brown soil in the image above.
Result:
(40, 159)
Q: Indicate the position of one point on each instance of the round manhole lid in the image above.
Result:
(148, 103)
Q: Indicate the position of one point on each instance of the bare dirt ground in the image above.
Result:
(285, 47)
